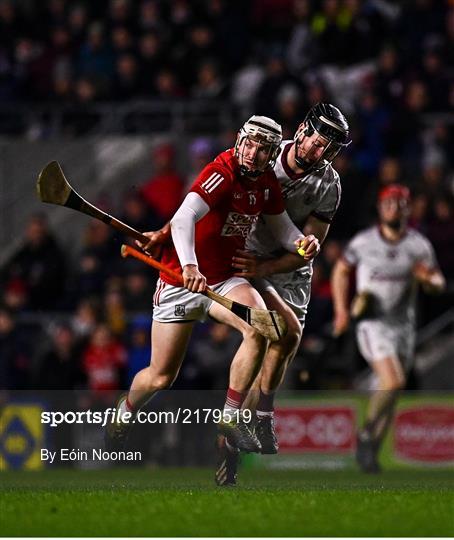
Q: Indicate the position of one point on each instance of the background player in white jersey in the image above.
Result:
(311, 191)
(227, 197)
(390, 259)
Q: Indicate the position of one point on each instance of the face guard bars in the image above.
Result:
(335, 133)
(264, 130)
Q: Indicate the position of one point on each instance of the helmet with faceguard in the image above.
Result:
(331, 126)
(260, 129)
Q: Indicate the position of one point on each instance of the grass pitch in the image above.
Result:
(184, 502)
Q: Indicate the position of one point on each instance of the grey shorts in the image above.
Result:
(293, 288)
(378, 340)
(177, 304)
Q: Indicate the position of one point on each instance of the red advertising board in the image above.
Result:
(316, 429)
(425, 434)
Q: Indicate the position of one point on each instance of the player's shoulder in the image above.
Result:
(285, 145)
(281, 167)
(328, 180)
(226, 157)
(416, 237)
(414, 234)
(224, 166)
(217, 176)
(330, 175)
(365, 235)
(355, 249)
(226, 161)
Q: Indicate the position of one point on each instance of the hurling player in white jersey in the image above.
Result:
(390, 260)
(311, 190)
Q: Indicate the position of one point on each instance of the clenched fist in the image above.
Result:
(311, 246)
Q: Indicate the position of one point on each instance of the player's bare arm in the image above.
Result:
(431, 279)
(340, 280)
(250, 265)
(316, 227)
(253, 266)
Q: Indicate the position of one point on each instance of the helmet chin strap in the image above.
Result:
(251, 174)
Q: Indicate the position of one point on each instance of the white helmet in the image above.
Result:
(265, 130)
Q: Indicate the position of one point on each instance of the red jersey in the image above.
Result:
(235, 203)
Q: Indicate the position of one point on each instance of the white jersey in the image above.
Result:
(384, 269)
(315, 194)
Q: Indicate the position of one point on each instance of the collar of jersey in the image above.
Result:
(391, 242)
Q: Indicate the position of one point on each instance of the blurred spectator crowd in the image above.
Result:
(82, 320)
(387, 61)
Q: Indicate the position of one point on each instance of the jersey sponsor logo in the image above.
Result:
(212, 182)
(374, 253)
(180, 310)
(238, 224)
(252, 198)
(378, 275)
(392, 254)
(266, 194)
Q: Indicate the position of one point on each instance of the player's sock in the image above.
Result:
(126, 406)
(380, 412)
(116, 432)
(370, 438)
(233, 403)
(237, 432)
(265, 405)
(381, 427)
(250, 402)
(265, 429)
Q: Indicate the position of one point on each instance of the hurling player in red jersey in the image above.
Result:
(211, 224)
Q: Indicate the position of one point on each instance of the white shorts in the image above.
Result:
(177, 304)
(294, 288)
(378, 340)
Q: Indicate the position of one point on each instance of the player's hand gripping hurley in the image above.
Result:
(53, 188)
(268, 323)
